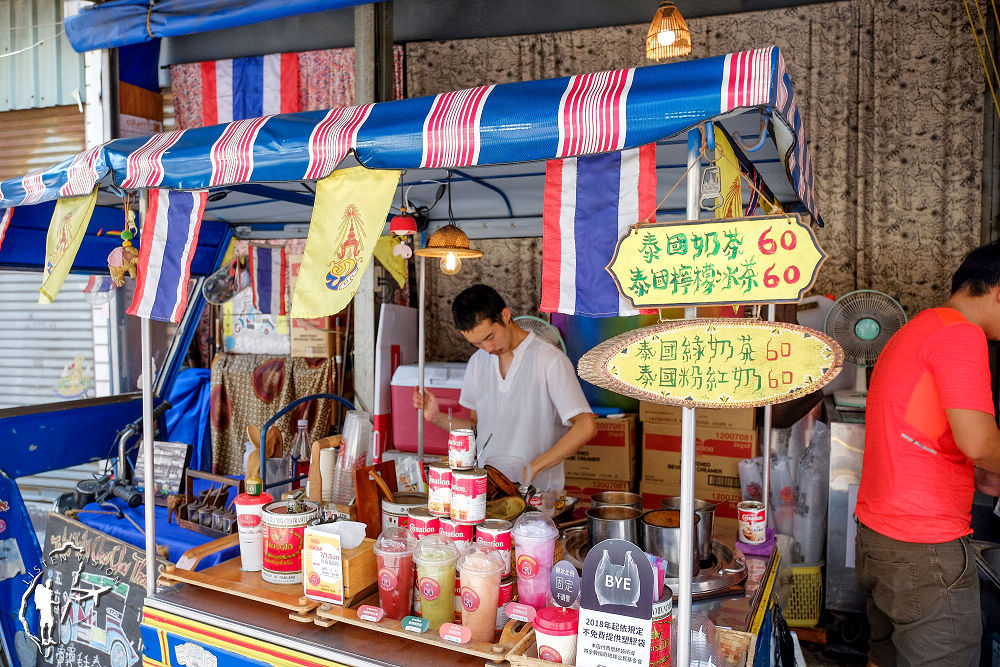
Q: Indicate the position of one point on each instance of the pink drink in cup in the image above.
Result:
(534, 543)
(480, 570)
(394, 560)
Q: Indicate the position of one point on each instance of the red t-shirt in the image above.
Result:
(916, 485)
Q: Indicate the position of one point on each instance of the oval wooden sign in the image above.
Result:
(714, 363)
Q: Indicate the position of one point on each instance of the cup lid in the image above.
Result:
(557, 620)
(247, 499)
(480, 559)
(435, 548)
(394, 540)
(535, 526)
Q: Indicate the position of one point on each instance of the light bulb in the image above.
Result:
(451, 264)
(666, 37)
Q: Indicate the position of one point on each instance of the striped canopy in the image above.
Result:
(497, 124)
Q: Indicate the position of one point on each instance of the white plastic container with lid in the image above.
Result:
(555, 634)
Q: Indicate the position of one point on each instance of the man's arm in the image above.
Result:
(432, 413)
(977, 436)
(584, 428)
(988, 482)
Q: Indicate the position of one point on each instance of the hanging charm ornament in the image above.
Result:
(126, 258)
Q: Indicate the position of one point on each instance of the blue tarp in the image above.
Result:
(123, 22)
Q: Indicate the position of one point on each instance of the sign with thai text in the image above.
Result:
(714, 363)
(766, 259)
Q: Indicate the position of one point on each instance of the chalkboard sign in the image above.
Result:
(87, 597)
(170, 459)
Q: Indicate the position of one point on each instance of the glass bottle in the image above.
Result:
(299, 454)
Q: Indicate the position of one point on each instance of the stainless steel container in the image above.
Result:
(623, 498)
(705, 511)
(661, 535)
(613, 522)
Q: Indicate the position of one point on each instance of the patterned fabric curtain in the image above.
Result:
(220, 91)
(892, 97)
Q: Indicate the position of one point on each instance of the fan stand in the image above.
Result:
(856, 398)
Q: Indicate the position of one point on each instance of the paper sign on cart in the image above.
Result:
(616, 607)
(765, 259)
(520, 612)
(415, 624)
(322, 565)
(452, 632)
(367, 612)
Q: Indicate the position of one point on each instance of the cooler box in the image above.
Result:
(445, 381)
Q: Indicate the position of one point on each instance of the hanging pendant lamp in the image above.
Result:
(450, 244)
(668, 36)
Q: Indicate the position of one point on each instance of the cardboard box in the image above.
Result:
(726, 418)
(610, 455)
(717, 475)
(585, 489)
(735, 443)
(312, 337)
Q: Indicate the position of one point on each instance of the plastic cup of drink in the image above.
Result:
(435, 556)
(555, 634)
(248, 521)
(534, 543)
(480, 570)
(394, 559)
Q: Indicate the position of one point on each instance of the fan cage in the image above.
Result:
(853, 308)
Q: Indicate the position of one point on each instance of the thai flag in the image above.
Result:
(589, 204)
(268, 271)
(238, 88)
(5, 217)
(167, 245)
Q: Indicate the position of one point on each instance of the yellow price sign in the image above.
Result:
(765, 259)
(714, 363)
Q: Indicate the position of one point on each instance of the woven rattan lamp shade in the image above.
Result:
(448, 239)
(668, 36)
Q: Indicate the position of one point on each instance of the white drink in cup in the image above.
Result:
(248, 518)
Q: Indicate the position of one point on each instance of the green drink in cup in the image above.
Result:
(435, 557)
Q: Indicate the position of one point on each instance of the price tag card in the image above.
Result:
(520, 612)
(367, 612)
(452, 632)
(564, 583)
(415, 624)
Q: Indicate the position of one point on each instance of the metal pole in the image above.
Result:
(420, 354)
(147, 436)
(688, 442)
(766, 444)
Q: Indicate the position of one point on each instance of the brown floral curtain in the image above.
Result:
(892, 97)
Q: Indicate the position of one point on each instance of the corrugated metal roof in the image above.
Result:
(46, 70)
(36, 138)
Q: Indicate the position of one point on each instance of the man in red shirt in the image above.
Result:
(930, 438)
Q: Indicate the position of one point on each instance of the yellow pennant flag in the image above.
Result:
(729, 176)
(66, 230)
(347, 219)
(387, 257)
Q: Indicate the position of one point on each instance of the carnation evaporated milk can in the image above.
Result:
(462, 449)
(495, 533)
(439, 489)
(468, 495)
(459, 533)
(422, 522)
(753, 521)
(284, 535)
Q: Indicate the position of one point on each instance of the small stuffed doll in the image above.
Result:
(126, 258)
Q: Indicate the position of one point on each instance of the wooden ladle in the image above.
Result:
(274, 447)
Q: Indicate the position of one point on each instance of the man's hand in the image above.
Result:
(427, 402)
(988, 482)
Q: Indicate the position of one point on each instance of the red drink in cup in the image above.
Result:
(394, 560)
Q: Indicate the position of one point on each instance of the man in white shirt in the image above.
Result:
(523, 392)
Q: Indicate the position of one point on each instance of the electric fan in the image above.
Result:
(862, 322)
(542, 329)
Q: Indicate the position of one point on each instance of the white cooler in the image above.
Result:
(445, 381)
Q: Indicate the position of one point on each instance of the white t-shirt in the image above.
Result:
(525, 413)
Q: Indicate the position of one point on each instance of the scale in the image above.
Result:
(862, 322)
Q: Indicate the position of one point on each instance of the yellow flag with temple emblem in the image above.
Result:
(66, 231)
(731, 197)
(347, 219)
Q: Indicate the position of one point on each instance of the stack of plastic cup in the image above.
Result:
(435, 556)
(534, 543)
(480, 570)
(394, 559)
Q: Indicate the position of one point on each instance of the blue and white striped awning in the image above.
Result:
(508, 123)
